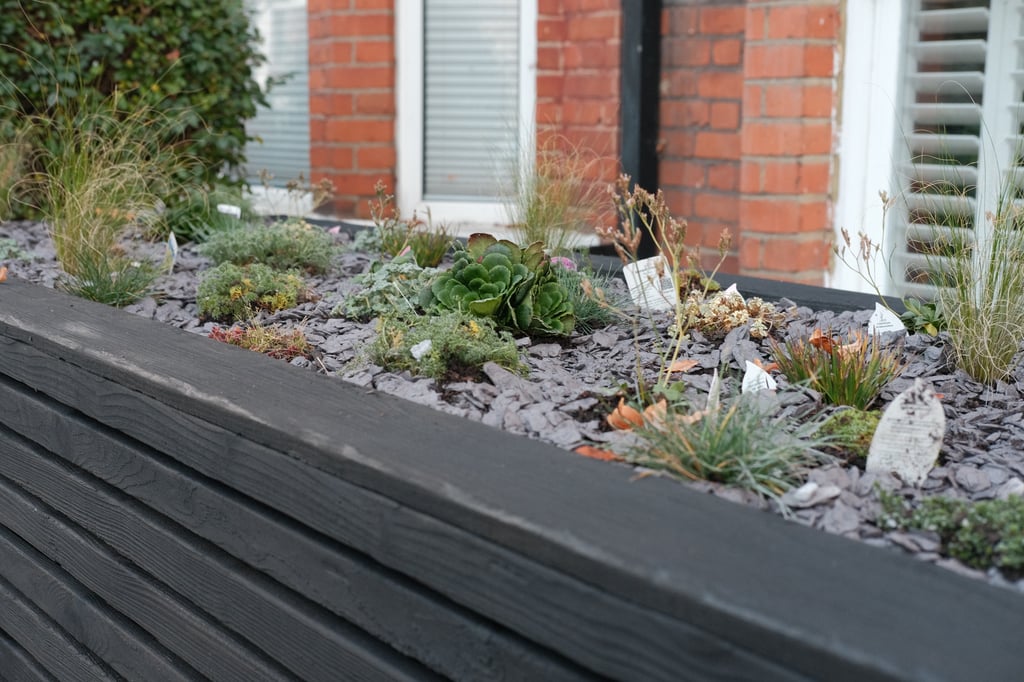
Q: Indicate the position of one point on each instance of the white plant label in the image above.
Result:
(733, 291)
(171, 254)
(884, 320)
(756, 379)
(909, 435)
(230, 209)
(714, 392)
(645, 287)
(421, 349)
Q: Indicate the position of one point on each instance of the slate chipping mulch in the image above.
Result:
(561, 401)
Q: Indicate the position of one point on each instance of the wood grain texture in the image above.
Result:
(569, 536)
(292, 631)
(46, 642)
(616, 637)
(109, 636)
(445, 637)
(17, 666)
(168, 618)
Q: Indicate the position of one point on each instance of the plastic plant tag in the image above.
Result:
(171, 253)
(230, 209)
(884, 320)
(421, 349)
(731, 290)
(909, 435)
(756, 379)
(645, 287)
(714, 392)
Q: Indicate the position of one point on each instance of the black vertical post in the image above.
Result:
(639, 92)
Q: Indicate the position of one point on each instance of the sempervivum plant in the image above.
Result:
(513, 286)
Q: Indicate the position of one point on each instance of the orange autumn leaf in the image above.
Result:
(821, 342)
(656, 413)
(624, 417)
(3, 273)
(767, 366)
(596, 453)
(854, 347)
(682, 366)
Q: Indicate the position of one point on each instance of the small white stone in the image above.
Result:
(805, 492)
(1011, 487)
(421, 349)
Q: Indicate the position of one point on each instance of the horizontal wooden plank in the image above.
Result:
(726, 572)
(44, 640)
(16, 664)
(112, 638)
(170, 619)
(629, 639)
(456, 643)
(294, 632)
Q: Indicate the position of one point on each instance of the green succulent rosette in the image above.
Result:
(496, 278)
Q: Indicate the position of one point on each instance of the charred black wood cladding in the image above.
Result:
(172, 508)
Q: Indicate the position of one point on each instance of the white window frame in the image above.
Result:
(871, 135)
(868, 128)
(409, 117)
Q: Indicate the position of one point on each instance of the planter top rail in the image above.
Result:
(573, 563)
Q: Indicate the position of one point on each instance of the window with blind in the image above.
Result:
(282, 130)
(961, 149)
(471, 98)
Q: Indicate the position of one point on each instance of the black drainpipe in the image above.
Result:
(640, 95)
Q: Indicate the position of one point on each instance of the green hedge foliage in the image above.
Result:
(190, 60)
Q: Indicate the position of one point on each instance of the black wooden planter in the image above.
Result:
(173, 508)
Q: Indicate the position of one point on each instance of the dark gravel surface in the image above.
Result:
(563, 398)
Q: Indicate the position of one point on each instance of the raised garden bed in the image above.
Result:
(175, 508)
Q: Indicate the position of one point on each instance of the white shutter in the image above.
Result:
(471, 97)
(964, 93)
(283, 129)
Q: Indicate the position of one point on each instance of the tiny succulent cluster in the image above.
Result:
(233, 292)
(289, 244)
(980, 534)
(497, 279)
(271, 341)
(718, 314)
(453, 345)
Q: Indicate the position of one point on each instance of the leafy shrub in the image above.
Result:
(231, 292)
(923, 316)
(980, 534)
(393, 236)
(271, 341)
(285, 245)
(852, 374)
(191, 61)
(513, 286)
(195, 216)
(386, 289)
(451, 346)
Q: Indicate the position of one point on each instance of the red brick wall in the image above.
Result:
(790, 93)
(700, 120)
(352, 98)
(748, 93)
(578, 45)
